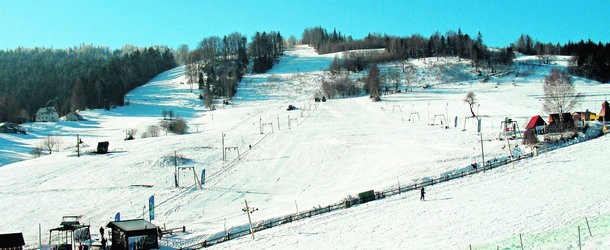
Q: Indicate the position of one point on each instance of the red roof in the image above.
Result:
(534, 122)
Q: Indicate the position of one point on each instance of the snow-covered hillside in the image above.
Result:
(315, 155)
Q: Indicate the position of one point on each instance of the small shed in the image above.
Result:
(11, 241)
(584, 116)
(102, 147)
(536, 124)
(134, 234)
(366, 196)
(604, 113)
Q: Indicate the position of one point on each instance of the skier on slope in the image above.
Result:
(423, 193)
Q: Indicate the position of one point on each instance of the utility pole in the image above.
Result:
(77, 146)
(224, 157)
(510, 153)
(278, 122)
(447, 115)
(261, 123)
(482, 152)
(249, 210)
(176, 175)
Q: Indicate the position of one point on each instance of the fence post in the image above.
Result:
(398, 186)
(588, 226)
(521, 240)
(579, 242)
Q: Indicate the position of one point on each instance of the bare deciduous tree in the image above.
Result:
(392, 77)
(130, 133)
(335, 66)
(36, 151)
(471, 100)
(374, 83)
(49, 143)
(151, 131)
(410, 75)
(559, 94)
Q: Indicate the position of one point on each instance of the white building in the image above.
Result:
(47, 114)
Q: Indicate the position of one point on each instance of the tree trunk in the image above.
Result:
(472, 112)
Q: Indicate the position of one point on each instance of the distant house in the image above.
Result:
(604, 114)
(12, 241)
(7, 127)
(536, 124)
(47, 114)
(567, 123)
(585, 116)
(73, 116)
(134, 234)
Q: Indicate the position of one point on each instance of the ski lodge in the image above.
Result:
(134, 234)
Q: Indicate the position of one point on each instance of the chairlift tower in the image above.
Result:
(510, 130)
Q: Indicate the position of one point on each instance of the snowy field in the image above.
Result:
(316, 155)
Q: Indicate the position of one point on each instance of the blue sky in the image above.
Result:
(69, 23)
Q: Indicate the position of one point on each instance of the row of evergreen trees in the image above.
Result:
(73, 79)
(591, 60)
(218, 64)
(402, 48)
(265, 50)
(325, 42)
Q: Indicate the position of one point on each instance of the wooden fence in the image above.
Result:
(244, 230)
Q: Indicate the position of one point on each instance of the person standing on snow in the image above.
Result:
(423, 193)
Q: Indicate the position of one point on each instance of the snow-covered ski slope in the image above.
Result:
(332, 149)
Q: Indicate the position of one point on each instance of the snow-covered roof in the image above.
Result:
(132, 225)
(46, 110)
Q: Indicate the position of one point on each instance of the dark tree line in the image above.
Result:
(591, 60)
(325, 42)
(265, 50)
(415, 46)
(217, 65)
(73, 79)
(450, 44)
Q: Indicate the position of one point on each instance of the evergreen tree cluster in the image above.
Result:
(450, 44)
(325, 42)
(73, 79)
(217, 65)
(414, 46)
(265, 50)
(591, 60)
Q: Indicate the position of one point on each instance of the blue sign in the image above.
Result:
(151, 207)
(117, 216)
(203, 176)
